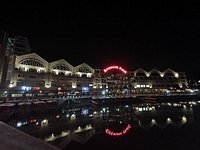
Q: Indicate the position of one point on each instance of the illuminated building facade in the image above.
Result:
(141, 82)
(30, 75)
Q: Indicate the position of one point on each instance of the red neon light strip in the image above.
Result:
(111, 133)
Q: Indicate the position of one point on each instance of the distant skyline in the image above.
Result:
(101, 33)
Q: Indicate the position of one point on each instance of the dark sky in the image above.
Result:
(148, 35)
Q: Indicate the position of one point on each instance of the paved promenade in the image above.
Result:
(12, 139)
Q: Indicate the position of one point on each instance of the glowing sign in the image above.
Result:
(85, 89)
(115, 67)
(26, 88)
(111, 133)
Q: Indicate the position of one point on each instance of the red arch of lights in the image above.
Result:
(115, 67)
(111, 133)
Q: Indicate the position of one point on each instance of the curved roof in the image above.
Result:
(32, 59)
(140, 70)
(61, 64)
(84, 68)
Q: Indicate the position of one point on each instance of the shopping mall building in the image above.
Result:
(29, 75)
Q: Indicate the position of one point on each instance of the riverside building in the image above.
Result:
(28, 75)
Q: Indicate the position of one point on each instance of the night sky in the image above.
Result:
(131, 34)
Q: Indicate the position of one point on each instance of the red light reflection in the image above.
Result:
(111, 133)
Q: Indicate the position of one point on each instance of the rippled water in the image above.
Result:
(117, 126)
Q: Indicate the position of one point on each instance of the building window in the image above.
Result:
(34, 77)
(32, 62)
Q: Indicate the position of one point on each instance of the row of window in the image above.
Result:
(30, 84)
(30, 76)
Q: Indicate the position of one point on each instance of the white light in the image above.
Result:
(194, 103)
(169, 120)
(176, 75)
(94, 113)
(73, 86)
(73, 117)
(89, 74)
(11, 85)
(47, 86)
(44, 122)
(153, 121)
(79, 128)
(19, 124)
(26, 88)
(103, 92)
(184, 119)
(85, 88)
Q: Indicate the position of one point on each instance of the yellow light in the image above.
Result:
(73, 86)
(176, 75)
(169, 120)
(10, 85)
(184, 119)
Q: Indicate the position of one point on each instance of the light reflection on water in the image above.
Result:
(81, 123)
